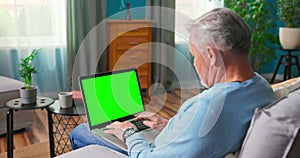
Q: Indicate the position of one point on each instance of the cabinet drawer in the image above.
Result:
(144, 81)
(125, 43)
(133, 30)
(143, 70)
(130, 47)
(132, 56)
(121, 64)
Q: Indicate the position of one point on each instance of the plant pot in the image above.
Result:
(289, 37)
(28, 96)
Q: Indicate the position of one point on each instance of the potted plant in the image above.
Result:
(28, 93)
(288, 12)
(259, 14)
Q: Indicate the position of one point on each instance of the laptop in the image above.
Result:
(113, 96)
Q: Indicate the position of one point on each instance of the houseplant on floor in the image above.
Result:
(259, 14)
(28, 93)
(288, 12)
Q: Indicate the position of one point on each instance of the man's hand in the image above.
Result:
(152, 120)
(118, 128)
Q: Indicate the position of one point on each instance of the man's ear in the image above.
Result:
(213, 55)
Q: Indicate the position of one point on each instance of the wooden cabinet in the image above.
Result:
(130, 46)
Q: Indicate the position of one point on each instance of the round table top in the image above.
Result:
(76, 110)
(41, 102)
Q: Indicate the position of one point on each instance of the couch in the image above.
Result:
(9, 89)
(273, 132)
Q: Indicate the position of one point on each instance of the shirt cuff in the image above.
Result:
(135, 136)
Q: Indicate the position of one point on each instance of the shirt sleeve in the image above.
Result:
(178, 139)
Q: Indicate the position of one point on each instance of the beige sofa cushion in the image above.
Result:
(281, 89)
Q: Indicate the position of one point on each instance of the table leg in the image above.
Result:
(51, 139)
(10, 132)
(277, 68)
(289, 57)
(297, 64)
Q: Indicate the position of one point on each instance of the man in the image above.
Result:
(214, 122)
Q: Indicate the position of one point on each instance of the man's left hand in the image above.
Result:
(117, 128)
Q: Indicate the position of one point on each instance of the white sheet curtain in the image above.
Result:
(33, 24)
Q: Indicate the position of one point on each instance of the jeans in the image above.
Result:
(81, 136)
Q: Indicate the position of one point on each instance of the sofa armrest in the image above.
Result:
(281, 89)
(93, 151)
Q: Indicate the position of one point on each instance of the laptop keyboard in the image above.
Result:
(139, 124)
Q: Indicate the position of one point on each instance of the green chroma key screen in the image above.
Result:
(112, 96)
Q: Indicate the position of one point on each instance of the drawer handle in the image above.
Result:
(134, 29)
(133, 43)
(133, 56)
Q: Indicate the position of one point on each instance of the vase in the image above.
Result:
(289, 37)
(128, 14)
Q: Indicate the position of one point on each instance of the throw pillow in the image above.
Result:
(268, 137)
(286, 108)
(274, 129)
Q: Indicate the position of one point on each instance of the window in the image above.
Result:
(32, 23)
(190, 10)
(185, 12)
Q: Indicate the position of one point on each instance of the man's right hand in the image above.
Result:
(152, 120)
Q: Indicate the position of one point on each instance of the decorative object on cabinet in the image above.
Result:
(128, 14)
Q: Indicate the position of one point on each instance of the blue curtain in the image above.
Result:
(82, 17)
(52, 66)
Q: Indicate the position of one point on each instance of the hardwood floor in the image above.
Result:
(166, 104)
(37, 133)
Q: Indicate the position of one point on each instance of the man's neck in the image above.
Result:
(239, 70)
(240, 77)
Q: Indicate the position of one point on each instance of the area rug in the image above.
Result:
(40, 150)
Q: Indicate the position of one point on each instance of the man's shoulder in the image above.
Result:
(256, 82)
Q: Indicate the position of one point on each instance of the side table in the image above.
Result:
(15, 105)
(287, 64)
(60, 123)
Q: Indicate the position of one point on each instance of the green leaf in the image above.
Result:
(289, 11)
(259, 14)
(26, 67)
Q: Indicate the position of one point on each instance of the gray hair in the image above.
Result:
(222, 29)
